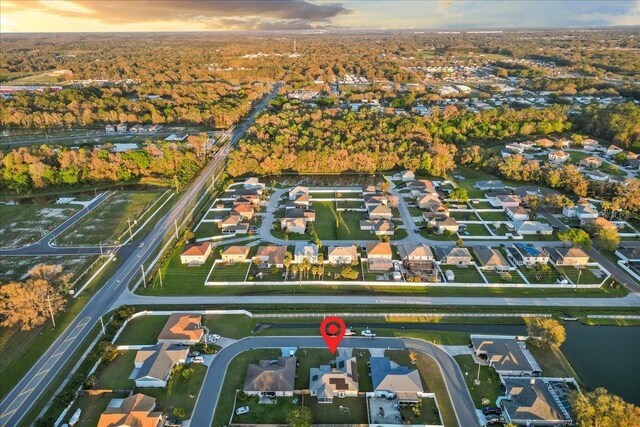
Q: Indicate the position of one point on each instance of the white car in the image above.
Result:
(242, 410)
(214, 337)
(368, 333)
(198, 359)
(349, 332)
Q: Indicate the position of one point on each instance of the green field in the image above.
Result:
(26, 223)
(17, 268)
(115, 374)
(467, 274)
(142, 330)
(474, 230)
(494, 277)
(229, 272)
(92, 407)
(180, 392)
(108, 222)
(494, 216)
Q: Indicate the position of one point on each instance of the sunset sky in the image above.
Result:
(220, 15)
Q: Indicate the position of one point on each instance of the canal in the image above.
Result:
(602, 356)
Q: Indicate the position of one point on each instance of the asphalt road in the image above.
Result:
(26, 393)
(205, 407)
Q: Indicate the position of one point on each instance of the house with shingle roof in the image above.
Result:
(296, 192)
(590, 162)
(491, 259)
(390, 379)
(153, 365)
(272, 255)
(343, 254)
(235, 254)
(504, 354)
(517, 213)
(558, 156)
(307, 251)
(379, 250)
(271, 377)
(533, 401)
(244, 211)
(182, 328)
(327, 383)
(455, 255)
(613, 150)
(567, 256)
(379, 212)
(136, 410)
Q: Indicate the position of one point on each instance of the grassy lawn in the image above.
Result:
(229, 325)
(467, 274)
(364, 380)
(494, 277)
(489, 387)
(464, 216)
(92, 407)
(23, 224)
(331, 413)
(333, 271)
(115, 375)
(432, 235)
(108, 222)
(181, 392)
(586, 276)
(142, 330)
(474, 230)
(576, 156)
(311, 358)
(429, 413)
(208, 229)
(534, 276)
(415, 211)
(235, 272)
(432, 382)
(482, 205)
(180, 279)
(552, 362)
(234, 380)
(265, 414)
(494, 216)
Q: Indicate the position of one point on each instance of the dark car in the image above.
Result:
(491, 410)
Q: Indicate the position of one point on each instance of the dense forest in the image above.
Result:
(301, 139)
(41, 167)
(218, 105)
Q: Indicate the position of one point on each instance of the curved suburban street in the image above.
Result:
(209, 395)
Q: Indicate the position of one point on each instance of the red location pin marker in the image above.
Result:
(332, 330)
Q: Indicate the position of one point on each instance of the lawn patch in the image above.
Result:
(24, 224)
(143, 330)
(180, 392)
(115, 374)
(487, 391)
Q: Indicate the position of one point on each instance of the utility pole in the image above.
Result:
(160, 276)
(175, 223)
(144, 277)
(101, 253)
(130, 233)
(102, 324)
(51, 310)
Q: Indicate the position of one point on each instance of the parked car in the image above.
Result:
(349, 332)
(198, 359)
(495, 419)
(368, 333)
(194, 354)
(491, 410)
(242, 410)
(214, 337)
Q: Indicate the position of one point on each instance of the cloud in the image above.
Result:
(260, 24)
(129, 11)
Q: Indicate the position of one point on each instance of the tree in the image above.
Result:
(52, 274)
(188, 235)
(576, 237)
(28, 304)
(599, 408)
(385, 186)
(460, 194)
(413, 357)
(608, 239)
(300, 417)
(288, 259)
(349, 273)
(545, 332)
(108, 351)
(179, 412)
(533, 202)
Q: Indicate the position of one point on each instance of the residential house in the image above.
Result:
(527, 228)
(137, 128)
(380, 212)
(295, 192)
(527, 254)
(533, 401)
(412, 252)
(380, 227)
(305, 214)
(598, 223)
(507, 152)
(515, 148)
(121, 128)
(390, 379)
(379, 250)
(247, 199)
(455, 255)
(590, 144)
(272, 378)
(272, 255)
(489, 185)
(302, 201)
(343, 254)
(491, 259)
(623, 180)
(596, 175)
(235, 254)
(230, 221)
(294, 225)
(567, 256)
(307, 251)
(110, 129)
(629, 254)
(445, 223)
(590, 162)
(253, 183)
(429, 201)
(581, 210)
(196, 254)
(372, 200)
(244, 211)
(407, 176)
(369, 189)
(135, 410)
(504, 354)
(327, 383)
(242, 228)
(422, 186)
(632, 156)
(503, 200)
(517, 213)
(613, 150)
(558, 157)
(544, 143)
(182, 328)
(154, 364)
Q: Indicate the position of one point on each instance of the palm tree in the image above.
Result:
(288, 258)
(304, 266)
(294, 270)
